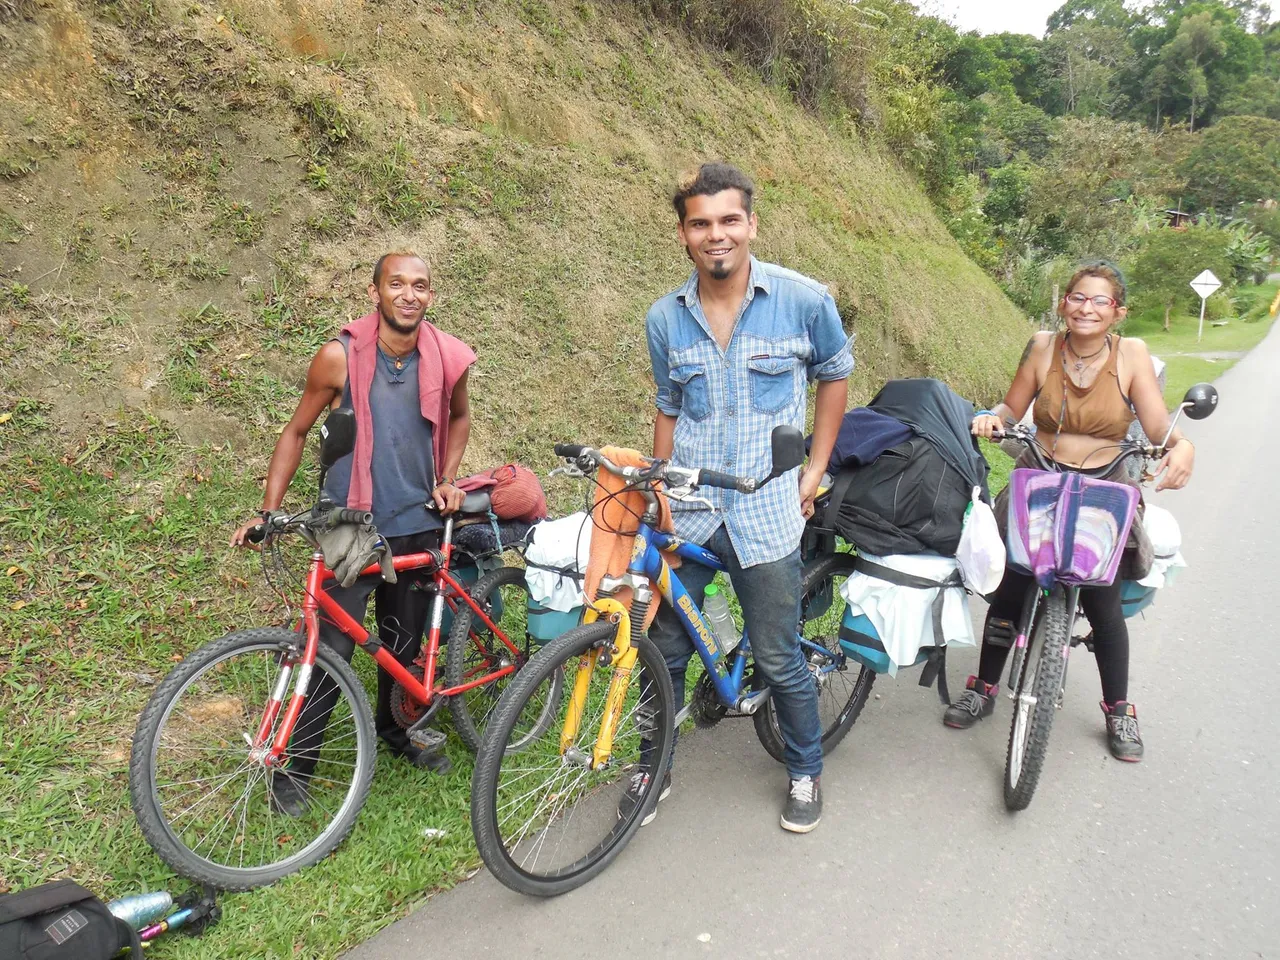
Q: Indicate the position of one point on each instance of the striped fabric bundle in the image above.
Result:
(1068, 528)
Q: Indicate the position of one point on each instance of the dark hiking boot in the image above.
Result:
(977, 701)
(636, 793)
(289, 794)
(1122, 731)
(804, 805)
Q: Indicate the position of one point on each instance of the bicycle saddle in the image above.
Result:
(477, 501)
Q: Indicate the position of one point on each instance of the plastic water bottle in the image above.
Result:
(715, 610)
(141, 908)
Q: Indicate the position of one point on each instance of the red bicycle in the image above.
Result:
(229, 719)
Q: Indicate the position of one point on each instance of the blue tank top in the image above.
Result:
(403, 467)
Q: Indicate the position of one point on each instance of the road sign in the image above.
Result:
(1205, 284)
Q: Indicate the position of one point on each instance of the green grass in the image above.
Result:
(257, 189)
(101, 594)
(1178, 345)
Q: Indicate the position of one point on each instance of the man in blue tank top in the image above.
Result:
(410, 398)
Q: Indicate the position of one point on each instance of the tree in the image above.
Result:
(1185, 58)
(1237, 160)
(1168, 260)
(1094, 181)
(1021, 53)
(1008, 195)
(1014, 127)
(1258, 96)
(1081, 63)
(1110, 13)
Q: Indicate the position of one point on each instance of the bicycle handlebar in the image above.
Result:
(658, 470)
(344, 515)
(1128, 448)
(279, 522)
(726, 481)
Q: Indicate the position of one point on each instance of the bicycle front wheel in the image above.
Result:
(1036, 698)
(476, 652)
(546, 817)
(204, 798)
(843, 683)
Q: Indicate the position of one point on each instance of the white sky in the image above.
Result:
(995, 16)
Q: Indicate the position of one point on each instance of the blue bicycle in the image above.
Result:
(550, 810)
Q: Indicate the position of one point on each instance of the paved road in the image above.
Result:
(916, 856)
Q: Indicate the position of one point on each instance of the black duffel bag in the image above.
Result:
(62, 921)
(909, 500)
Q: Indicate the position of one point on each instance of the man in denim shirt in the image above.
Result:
(732, 352)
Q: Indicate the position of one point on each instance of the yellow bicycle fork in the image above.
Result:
(624, 661)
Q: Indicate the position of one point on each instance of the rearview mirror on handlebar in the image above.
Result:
(1200, 401)
(788, 450)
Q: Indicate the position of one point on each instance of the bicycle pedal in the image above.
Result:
(428, 740)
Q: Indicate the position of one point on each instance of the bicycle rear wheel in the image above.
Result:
(843, 684)
(475, 651)
(1036, 698)
(204, 798)
(546, 821)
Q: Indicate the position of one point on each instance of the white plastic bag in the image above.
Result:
(1166, 545)
(981, 552)
(556, 545)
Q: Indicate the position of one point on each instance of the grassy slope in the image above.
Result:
(206, 190)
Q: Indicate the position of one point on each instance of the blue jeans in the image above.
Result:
(770, 597)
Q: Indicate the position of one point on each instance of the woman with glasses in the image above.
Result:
(1084, 386)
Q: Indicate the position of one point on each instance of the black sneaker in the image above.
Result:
(1122, 731)
(804, 805)
(289, 794)
(635, 793)
(977, 701)
(434, 760)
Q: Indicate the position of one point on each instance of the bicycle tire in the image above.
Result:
(461, 658)
(148, 806)
(486, 779)
(818, 573)
(1048, 639)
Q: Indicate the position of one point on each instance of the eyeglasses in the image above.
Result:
(1100, 301)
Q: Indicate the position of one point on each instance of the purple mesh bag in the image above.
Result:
(1067, 528)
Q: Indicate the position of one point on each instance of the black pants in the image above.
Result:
(1110, 633)
(401, 612)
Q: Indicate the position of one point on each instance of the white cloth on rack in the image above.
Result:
(552, 545)
(903, 616)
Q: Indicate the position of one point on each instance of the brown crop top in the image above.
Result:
(1093, 411)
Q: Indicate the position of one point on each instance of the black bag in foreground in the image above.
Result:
(62, 921)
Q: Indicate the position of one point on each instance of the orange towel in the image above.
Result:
(610, 551)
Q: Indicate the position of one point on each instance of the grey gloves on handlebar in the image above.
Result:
(350, 547)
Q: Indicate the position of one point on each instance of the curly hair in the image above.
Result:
(1104, 270)
(710, 179)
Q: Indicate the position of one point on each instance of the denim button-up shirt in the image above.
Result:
(727, 401)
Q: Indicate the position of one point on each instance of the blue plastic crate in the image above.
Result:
(547, 624)
(1134, 597)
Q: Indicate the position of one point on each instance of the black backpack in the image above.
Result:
(62, 921)
(908, 500)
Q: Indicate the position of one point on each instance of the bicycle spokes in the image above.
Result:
(559, 799)
(217, 794)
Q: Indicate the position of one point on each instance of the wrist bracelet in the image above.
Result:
(985, 413)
